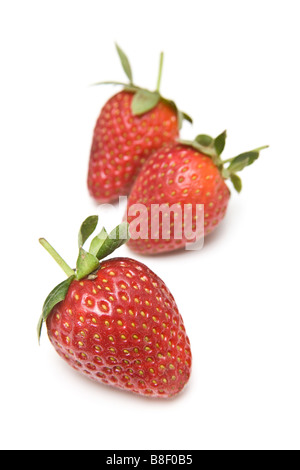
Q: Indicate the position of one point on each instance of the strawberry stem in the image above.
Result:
(161, 62)
(64, 266)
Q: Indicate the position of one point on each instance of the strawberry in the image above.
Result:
(132, 124)
(187, 182)
(115, 321)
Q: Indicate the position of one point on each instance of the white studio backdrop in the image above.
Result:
(231, 65)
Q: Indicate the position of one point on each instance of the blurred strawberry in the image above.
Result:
(186, 182)
(132, 124)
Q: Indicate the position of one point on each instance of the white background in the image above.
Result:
(230, 64)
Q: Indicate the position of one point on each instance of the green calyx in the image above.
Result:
(228, 168)
(144, 100)
(87, 263)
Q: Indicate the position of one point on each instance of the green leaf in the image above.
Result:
(86, 229)
(242, 160)
(86, 264)
(237, 182)
(219, 142)
(128, 87)
(144, 101)
(125, 63)
(209, 151)
(182, 116)
(58, 294)
(97, 242)
(114, 240)
(204, 140)
(187, 117)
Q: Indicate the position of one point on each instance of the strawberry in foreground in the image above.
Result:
(132, 124)
(115, 321)
(178, 178)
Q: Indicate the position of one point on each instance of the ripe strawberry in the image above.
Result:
(116, 322)
(177, 178)
(132, 124)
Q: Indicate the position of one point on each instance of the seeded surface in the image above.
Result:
(123, 328)
(177, 176)
(122, 142)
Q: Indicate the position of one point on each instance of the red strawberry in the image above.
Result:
(178, 178)
(131, 125)
(116, 322)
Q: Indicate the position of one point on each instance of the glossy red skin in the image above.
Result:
(123, 329)
(181, 175)
(122, 143)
